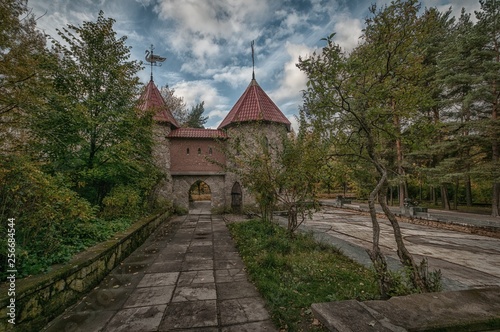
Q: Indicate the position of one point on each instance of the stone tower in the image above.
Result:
(151, 100)
(254, 114)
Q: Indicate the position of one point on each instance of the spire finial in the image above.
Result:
(154, 60)
(253, 61)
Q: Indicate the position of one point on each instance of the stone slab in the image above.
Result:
(143, 319)
(185, 315)
(92, 320)
(165, 266)
(150, 296)
(158, 279)
(251, 327)
(195, 292)
(196, 277)
(249, 309)
(104, 299)
(197, 265)
(346, 316)
(466, 310)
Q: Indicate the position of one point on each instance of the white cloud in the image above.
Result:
(348, 31)
(293, 80)
(195, 92)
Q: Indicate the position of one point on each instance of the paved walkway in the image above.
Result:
(444, 216)
(191, 279)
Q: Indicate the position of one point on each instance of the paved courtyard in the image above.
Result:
(465, 260)
(191, 279)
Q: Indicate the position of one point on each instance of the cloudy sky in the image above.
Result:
(207, 42)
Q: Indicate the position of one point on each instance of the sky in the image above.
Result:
(207, 43)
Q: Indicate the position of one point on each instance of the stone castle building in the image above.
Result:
(186, 155)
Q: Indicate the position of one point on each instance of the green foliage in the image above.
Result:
(45, 212)
(122, 201)
(90, 131)
(279, 169)
(195, 118)
(22, 73)
(293, 274)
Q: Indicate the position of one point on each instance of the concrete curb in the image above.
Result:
(467, 310)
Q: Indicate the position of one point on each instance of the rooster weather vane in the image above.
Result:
(153, 59)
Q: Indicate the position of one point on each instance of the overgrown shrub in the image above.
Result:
(52, 222)
(122, 201)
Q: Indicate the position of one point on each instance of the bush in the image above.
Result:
(52, 222)
(122, 201)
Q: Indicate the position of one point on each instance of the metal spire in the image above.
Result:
(153, 59)
(253, 61)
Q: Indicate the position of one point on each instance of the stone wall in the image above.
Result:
(182, 184)
(39, 299)
(161, 157)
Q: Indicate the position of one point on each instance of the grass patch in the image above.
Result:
(291, 274)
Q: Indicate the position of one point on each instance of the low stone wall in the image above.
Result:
(41, 298)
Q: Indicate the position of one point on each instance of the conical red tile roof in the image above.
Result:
(151, 99)
(254, 105)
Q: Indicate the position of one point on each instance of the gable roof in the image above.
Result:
(254, 105)
(196, 133)
(151, 99)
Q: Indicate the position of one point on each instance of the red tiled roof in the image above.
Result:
(151, 99)
(197, 133)
(254, 105)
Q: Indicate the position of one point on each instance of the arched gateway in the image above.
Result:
(191, 155)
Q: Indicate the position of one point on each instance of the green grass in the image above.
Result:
(291, 274)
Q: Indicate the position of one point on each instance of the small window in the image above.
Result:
(210, 151)
(199, 151)
(187, 151)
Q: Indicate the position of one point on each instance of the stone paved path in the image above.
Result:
(189, 280)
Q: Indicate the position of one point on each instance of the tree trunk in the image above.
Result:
(404, 255)
(445, 202)
(399, 152)
(468, 191)
(376, 255)
(495, 208)
(455, 197)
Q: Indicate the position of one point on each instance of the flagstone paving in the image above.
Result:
(189, 280)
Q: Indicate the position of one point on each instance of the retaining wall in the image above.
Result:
(41, 298)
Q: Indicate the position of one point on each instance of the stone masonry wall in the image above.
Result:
(161, 157)
(40, 299)
(182, 184)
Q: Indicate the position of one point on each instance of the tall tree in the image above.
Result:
(175, 104)
(22, 76)
(488, 92)
(367, 99)
(195, 118)
(91, 132)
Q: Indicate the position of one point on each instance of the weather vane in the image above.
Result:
(153, 59)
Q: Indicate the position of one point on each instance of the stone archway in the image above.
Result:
(236, 198)
(182, 186)
(200, 191)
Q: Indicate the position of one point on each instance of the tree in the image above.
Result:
(279, 170)
(175, 104)
(22, 76)
(91, 133)
(361, 103)
(195, 118)
(487, 63)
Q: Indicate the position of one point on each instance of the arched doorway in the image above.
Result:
(200, 191)
(236, 198)
(199, 194)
